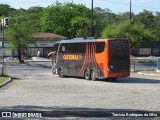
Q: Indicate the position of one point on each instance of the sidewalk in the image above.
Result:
(152, 73)
(144, 58)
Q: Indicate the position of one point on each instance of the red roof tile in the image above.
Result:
(48, 36)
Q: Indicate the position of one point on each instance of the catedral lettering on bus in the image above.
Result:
(92, 58)
(72, 57)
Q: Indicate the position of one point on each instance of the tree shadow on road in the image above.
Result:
(133, 80)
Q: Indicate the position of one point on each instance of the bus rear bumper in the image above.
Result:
(118, 75)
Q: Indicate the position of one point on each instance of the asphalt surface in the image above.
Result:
(34, 88)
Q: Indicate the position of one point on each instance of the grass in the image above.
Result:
(3, 78)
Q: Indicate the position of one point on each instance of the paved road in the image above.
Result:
(35, 88)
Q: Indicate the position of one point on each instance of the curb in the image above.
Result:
(5, 83)
(140, 73)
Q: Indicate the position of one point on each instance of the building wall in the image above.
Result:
(44, 46)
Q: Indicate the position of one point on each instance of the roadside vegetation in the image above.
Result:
(3, 79)
(74, 20)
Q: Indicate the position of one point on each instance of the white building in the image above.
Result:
(44, 44)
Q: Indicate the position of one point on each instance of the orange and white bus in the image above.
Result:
(92, 58)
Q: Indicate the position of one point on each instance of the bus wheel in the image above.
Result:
(60, 73)
(86, 75)
(93, 77)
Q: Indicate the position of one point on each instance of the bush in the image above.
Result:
(135, 32)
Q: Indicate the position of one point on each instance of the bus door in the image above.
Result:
(63, 62)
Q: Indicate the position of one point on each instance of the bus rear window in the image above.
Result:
(118, 44)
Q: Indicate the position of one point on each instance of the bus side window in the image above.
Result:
(82, 48)
(100, 47)
(63, 48)
(68, 48)
(77, 48)
(72, 48)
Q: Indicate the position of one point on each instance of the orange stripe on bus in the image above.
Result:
(85, 60)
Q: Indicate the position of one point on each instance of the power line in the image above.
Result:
(52, 1)
(127, 4)
(33, 1)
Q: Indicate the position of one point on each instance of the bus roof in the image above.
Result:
(87, 39)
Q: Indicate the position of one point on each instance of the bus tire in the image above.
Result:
(60, 73)
(93, 75)
(87, 75)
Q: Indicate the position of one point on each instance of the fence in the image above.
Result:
(140, 64)
(158, 64)
(28, 52)
(145, 52)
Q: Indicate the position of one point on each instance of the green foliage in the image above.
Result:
(74, 20)
(146, 18)
(66, 19)
(136, 32)
(5, 10)
(156, 23)
(18, 36)
(101, 19)
(29, 18)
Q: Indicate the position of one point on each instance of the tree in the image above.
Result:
(30, 17)
(78, 27)
(136, 32)
(5, 10)
(146, 18)
(126, 16)
(66, 19)
(157, 25)
(18, 37)
(102, 17)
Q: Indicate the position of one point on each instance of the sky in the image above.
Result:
(116, 6)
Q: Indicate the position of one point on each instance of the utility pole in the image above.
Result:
(2, 22)
(130, 10)
(91, 34)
